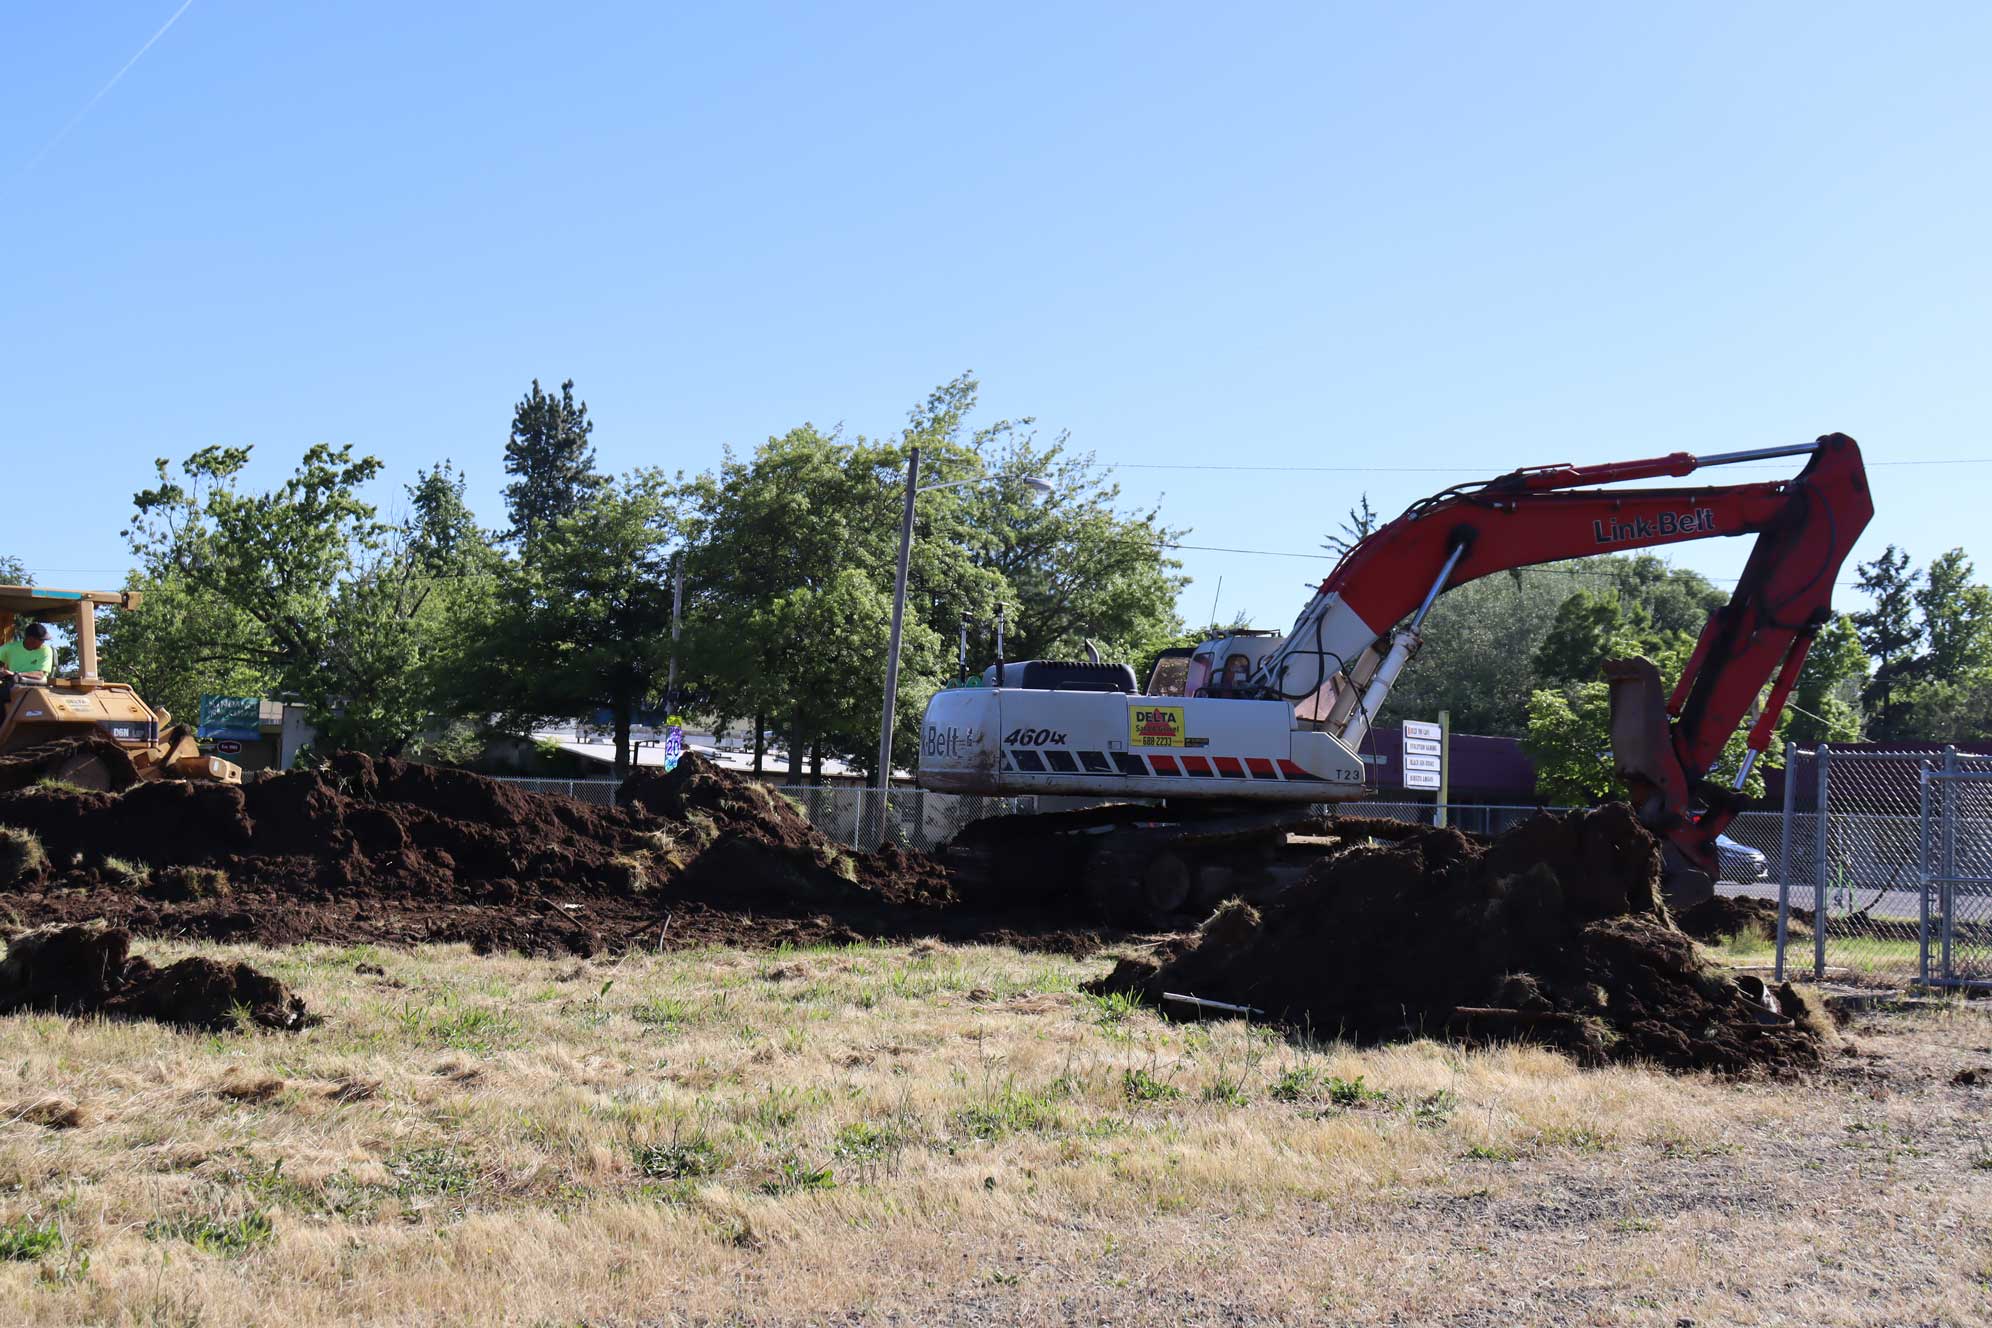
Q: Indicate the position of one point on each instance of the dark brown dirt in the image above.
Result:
(366, 850)
(1724, 916)
(83, 969)
(1552, 933)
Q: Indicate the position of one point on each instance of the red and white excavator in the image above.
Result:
(1242, 738)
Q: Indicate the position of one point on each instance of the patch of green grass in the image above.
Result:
(866, 1141)
(664, 1012)
(793, 1174)
(1350, 1092)
(1434, 1109)
(24, 1240)
(681, 1159)
(229, 1237)
(456, 1027)
(1299, 1083)
(1490, 1153)
(1009, 1111)
(1141, 1086)
(431, 1171)
(1116, 1007)
(1224, 1091)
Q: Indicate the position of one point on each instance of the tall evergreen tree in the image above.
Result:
(550, 454)
(1890, 632)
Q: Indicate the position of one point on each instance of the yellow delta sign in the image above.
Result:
(1155, 726)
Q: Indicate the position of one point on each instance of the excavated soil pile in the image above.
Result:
(90, 970)
(1729, 915)
(1552, 933)
(386, 850)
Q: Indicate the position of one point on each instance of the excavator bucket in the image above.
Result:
(1643, 756)
(1642, 747)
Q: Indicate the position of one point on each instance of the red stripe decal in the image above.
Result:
(1260, 767)
(1196, 765)
(1292, 771)
(1164, 765)
(1228, 767)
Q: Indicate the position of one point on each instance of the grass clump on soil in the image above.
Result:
(1553, 933)
(90, 970)
(229, 1237)
(21, 854)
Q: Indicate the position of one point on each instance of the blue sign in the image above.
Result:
(236, 718)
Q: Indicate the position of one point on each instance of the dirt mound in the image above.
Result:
(384, 850)
(91, 970)
(1554, 933)
(1725, 916)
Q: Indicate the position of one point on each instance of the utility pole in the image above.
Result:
(677, 607)
(1445, 767)
(898, 620)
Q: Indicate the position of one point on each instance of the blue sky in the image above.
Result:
(1422, 242)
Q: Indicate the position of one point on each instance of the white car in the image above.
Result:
(1740, 862)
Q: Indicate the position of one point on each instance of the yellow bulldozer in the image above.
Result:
(82, 730)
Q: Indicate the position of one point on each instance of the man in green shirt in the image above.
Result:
(31, 654)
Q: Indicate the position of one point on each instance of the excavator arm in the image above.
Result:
(1364, 624)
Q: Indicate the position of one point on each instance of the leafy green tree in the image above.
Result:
(1569, 739)
(1486, 640)
(1958, 711)
(769, 542)
(181, 643)
(1891, 633)
(13, 572)
(550, 453)
(1825, 705)
(1590, 629)
(1076, 565)
(1957, 621)
(586, 623)
(301, 588)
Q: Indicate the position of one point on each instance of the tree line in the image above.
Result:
(424, 631)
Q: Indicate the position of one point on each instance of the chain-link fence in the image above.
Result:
(595, 792)
(1956, 925)
(1862, 867)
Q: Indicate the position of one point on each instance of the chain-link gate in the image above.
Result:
(1853, 869)
(1955, 937)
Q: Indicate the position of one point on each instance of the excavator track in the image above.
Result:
(1135, 866)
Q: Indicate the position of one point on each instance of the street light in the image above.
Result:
(914, 489)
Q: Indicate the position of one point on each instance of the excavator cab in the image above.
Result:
(82, 730)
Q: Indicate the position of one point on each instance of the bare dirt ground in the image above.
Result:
(931, 1134)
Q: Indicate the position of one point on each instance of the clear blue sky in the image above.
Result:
(1457, 238)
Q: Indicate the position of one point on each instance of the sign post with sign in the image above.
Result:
(236, 718)
(1425, 760)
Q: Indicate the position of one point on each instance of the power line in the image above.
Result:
(1534, 569)
(1464, 470)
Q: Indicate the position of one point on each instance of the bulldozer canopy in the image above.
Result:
(39, 602)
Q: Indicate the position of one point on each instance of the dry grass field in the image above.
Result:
(949, 1136)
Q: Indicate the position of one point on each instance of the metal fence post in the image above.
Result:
(1784, 854)
(1820, 911)
(1923, 878)
(1947, 818)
